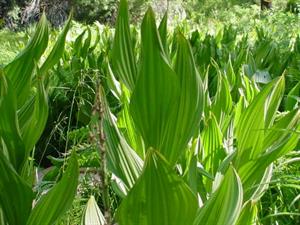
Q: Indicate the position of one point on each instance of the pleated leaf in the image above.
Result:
(159, 197)
(59, 199)
(292, 98)
(37, 122)
(163, 33)
(123, 60)
(191, 101)
(9, 126)
(248, 214)
(15, 195)
(282, 129)
(250, 131)
(155, 98)
(222, 103)
(57, 50)
(273, 102)
(213, 152)
(122, 160)
(125, 122)
(224, 206)
(20, 70)
(253, 171)
(93, 215)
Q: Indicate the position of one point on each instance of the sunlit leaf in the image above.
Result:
(20, 70)
(225, 204)
(160, 196)
(93, 215)
(123, 60)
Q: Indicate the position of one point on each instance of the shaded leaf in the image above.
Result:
(59, 199)
(15, 195)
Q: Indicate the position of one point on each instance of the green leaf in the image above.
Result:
(190, 104)
(155, 97)
(222, 103)
(230, 74)
(57, 50)
(160, 196)
(163, 32)
(123, 60)
(282, 129)
(250, 130)
(122, 160)
(126, 124)
(59, 199)
(248, 214)
(224, 206)
(93, 215)
(292, 99)
(36, 123)
(20, 70)
(213, 152)
(86, 44)
(273, 102)
(280, 139)
(15, 194)
(78, 43)
(9, 126)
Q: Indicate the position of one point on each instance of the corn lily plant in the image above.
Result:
(182, 153)
(24, 112)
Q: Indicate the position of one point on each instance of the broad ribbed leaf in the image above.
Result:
(253, 171)
(122, 160)
(274, 101)
(224, 206)
(163, 33)
(123, 60)
(230, 74)
(9, 127)
(222, 103)
(250, 130)
(20, 70)
(15, 195)
(126, 124)
(59, 199)
(248, 214)
(293, 99)
(159, 197)
(282, 129)
(78, 43)
(213, 152)
(113, 84)
(155, 98)
(191, 102)
(260, 188)
(93, 215)
(57, 50)
(37, 122)
(86, 45)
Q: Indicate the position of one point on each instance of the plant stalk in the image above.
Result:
(98, 138)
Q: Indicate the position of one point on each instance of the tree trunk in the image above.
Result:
(265, 4)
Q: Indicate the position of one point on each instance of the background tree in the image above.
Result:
(266, 4)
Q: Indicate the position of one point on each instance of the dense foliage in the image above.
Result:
(189, 120)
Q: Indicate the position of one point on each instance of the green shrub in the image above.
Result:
(293, 6)
(91, 10)
(5, 6)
